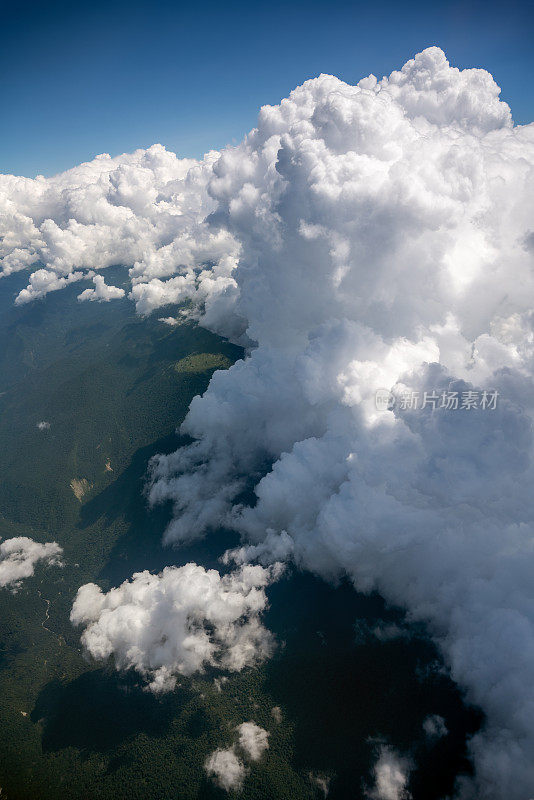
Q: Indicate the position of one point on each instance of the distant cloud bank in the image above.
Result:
(360, 238)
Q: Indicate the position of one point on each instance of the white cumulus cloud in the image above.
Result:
(226, 767)
(43, 281)
(253, 740)
(178, 622)
(102, 292)
(18, 557)
(391, 773)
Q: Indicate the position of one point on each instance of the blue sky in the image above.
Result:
(81, 79)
